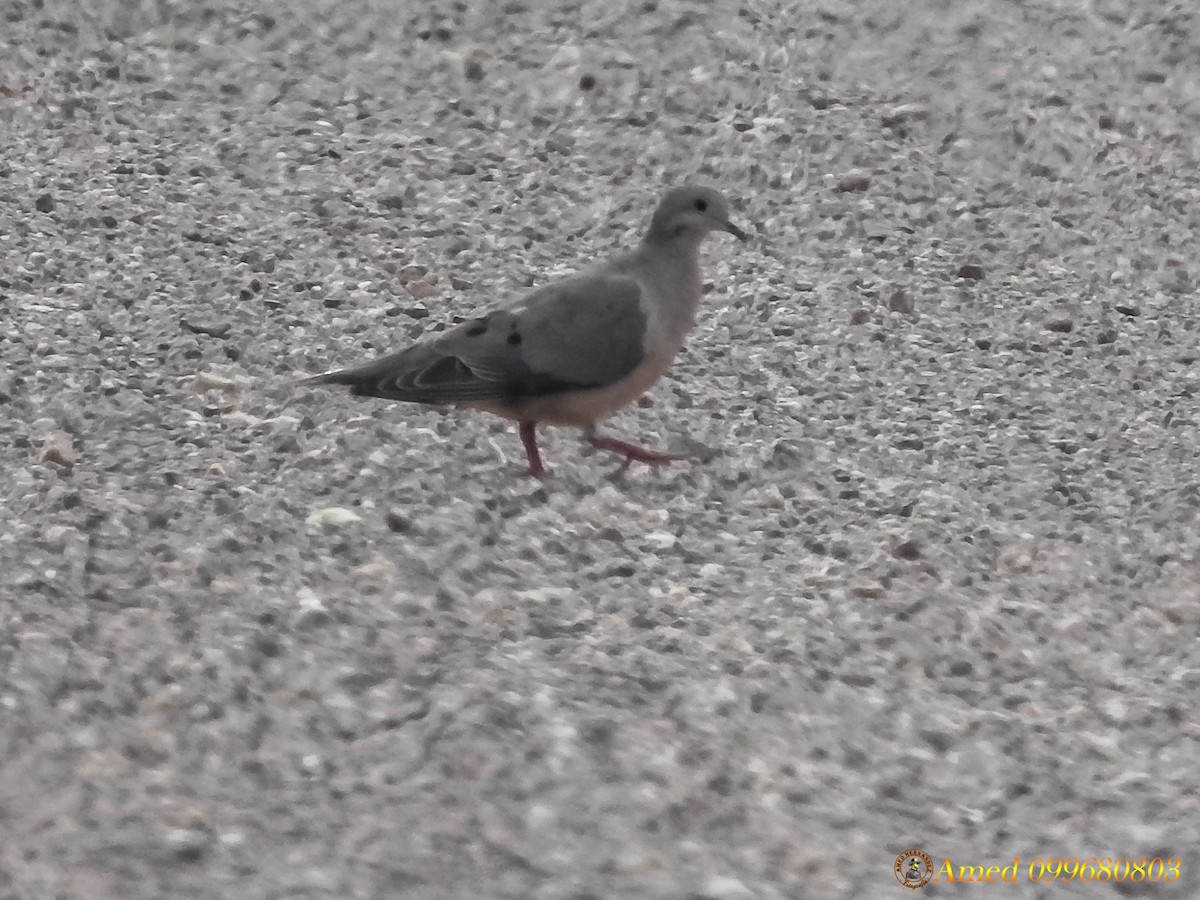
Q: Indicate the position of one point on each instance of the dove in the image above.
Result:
(572, 352)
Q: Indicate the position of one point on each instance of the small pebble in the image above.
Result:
(901, 301)
(855, 182)
(1060, 322)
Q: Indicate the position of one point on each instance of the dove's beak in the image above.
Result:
(735, 231)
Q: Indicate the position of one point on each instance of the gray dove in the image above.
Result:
(574, 351)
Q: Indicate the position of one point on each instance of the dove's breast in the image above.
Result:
(585, 406)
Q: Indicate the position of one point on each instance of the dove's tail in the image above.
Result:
(361, 383)
(379, 378)
(423, 374)
(336, 376)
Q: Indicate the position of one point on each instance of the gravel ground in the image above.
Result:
(932, 583)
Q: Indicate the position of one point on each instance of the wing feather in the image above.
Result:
(584, 332)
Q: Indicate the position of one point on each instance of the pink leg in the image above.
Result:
(528, 432)
(628, 450)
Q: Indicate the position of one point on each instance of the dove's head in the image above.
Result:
(689, 213)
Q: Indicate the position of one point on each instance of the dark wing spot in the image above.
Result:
(476, 330)
(701, 204)
(514, 338)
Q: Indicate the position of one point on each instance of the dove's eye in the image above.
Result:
(701, 204)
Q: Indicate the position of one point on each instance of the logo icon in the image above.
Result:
(914, 868)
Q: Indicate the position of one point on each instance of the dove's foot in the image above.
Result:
(630, 451)
(528, 431)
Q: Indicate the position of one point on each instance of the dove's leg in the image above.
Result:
(628, 450)
(529, 439)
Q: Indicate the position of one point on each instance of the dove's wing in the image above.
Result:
(583, 332)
